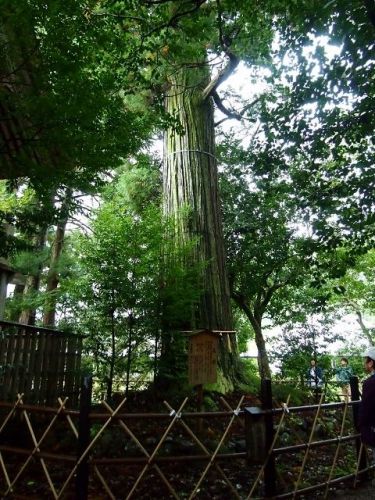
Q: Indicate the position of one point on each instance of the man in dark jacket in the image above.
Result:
(314, 375)
(366, 419)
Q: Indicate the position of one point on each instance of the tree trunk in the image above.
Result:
(17, 294)
(28, 316)
(255, 319)
(112, 359)
(130, 353)
(190, 182)
(263, 362)
(49, 316)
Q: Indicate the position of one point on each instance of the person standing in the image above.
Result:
(314, 375)
(343, 374)
(366, 416)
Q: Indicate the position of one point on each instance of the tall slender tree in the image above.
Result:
(57, 246)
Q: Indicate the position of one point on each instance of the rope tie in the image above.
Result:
(285, 408)
(175, 413)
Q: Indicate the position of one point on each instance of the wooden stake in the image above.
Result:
(235, 414)
(337, 448)
(308, 446)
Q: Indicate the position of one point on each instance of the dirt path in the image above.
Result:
(365, 491)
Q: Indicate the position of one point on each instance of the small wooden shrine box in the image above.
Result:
(203, 355)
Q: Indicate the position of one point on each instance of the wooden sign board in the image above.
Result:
(202, 360)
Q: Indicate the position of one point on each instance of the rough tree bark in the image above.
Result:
(190, 181)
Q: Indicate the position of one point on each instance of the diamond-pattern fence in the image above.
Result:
(110, 452)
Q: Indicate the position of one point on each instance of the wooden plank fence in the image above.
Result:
(40, 363)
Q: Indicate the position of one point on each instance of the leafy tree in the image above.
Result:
(266, 258)
(66, 117)
(320, 120)
(27, 219)
(38, 223)
(302, 342)
(354, 292)
(64, 80)
(304, 149)
(119, 286)
(116, 290)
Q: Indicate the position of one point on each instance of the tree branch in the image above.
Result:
(233, 61)
(364, 328)
(224, 39)
(219, 103)
(237, 115)
(269, 294)
(172, 22)
(119, 16)
(220, 25)
(240, 301)
(81, 225)
(174, 19)
(155, 2)
(232, 64)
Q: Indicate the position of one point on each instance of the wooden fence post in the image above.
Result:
(270, 468)
(361, 456)
(82, 478)
(255, 436)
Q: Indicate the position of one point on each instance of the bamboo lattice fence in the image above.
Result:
(40, 363)
(111, 452)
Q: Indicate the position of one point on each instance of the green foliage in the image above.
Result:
(281, 391)
(243, 330)
(255, 221)
(266, 257)
(125, 272)
(15, 304)
(299, 344)
(308, 164)
(30, 262)
(249, 368)
(354, 292)
(23, 213)
(320, 119)
(137, 183)
(116, 291)
(69, 70)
